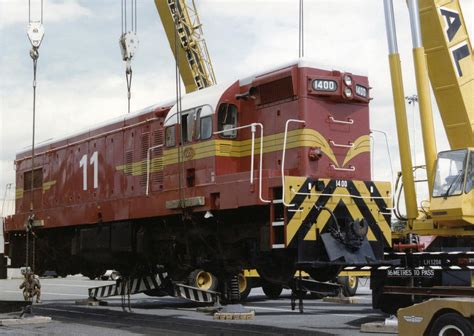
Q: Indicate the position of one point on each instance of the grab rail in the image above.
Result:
(283, 159)
(252, 154)
(336, 121)
(350, 145)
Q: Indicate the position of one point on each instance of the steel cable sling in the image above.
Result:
(129, 41)
(35, 34)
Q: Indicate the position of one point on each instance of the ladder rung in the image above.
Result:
(278, 223)
(278, 246)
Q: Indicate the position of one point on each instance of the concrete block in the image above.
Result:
(379, 327)
(26, 320)
(340, 299)
(234, 316)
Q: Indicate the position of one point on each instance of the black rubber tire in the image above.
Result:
(193, 280)
(349, 286)
(454, 321)
(244, 293)
(272, 291)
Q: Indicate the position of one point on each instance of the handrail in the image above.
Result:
(336, 121)
(252, 154)
(283, 159)
(350, 145)
(148, 167)
(351, 169)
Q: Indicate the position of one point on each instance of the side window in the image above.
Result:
(197, 128)
(38, 179)
(227, 120)
(187, 126)
(470, 174)
(206, 127)
(170, 135)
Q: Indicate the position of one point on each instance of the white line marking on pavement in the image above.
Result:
(72, 311)
(50, 293)
(65, 285)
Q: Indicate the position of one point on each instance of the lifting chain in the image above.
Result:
(35, 34)
(129, 41)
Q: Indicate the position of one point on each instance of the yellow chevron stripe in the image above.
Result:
(324, 217)
(361, 145)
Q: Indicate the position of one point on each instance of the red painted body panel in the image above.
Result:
(222, 180)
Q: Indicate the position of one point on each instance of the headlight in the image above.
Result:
(348, 80)
(348, 92)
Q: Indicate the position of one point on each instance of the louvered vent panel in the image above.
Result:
(156, 164)
(145, 144)
(279, 89)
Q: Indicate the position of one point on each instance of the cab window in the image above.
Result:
(206, 127)
(450, 172)
(187, 126)
(170, 135)
(227, 120)
(470, 174)
(36, 175)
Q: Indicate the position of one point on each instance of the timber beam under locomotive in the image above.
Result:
(271, 172)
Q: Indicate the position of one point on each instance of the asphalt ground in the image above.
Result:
(174, 316)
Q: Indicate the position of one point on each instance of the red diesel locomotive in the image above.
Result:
(271, 172)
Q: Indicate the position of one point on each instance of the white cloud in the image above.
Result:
(14, 11)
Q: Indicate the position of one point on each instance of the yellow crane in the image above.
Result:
(185, 36)
(449, 63)
(442, 55)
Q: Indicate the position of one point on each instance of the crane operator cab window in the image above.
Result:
(451, 173)
(227, 121)
(470, 174)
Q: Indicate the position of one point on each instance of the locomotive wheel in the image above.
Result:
(349, 284)
(272, 291)
(245, 286)
(203, 280)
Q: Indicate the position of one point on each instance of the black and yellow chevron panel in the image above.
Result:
(348, 200)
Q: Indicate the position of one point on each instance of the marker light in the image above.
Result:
(348, 92)
(348, 80)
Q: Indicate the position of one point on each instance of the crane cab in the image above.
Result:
(452, 202)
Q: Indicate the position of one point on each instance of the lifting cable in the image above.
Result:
(35, 34)
(301, 31)
(176, 18)
(129, 41)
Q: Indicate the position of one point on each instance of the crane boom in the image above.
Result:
(451, 68)
(180, 18)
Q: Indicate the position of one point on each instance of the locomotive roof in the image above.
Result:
(209, 96)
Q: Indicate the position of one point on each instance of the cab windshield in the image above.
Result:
(450, 173)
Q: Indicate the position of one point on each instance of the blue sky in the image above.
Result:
(81, 75)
